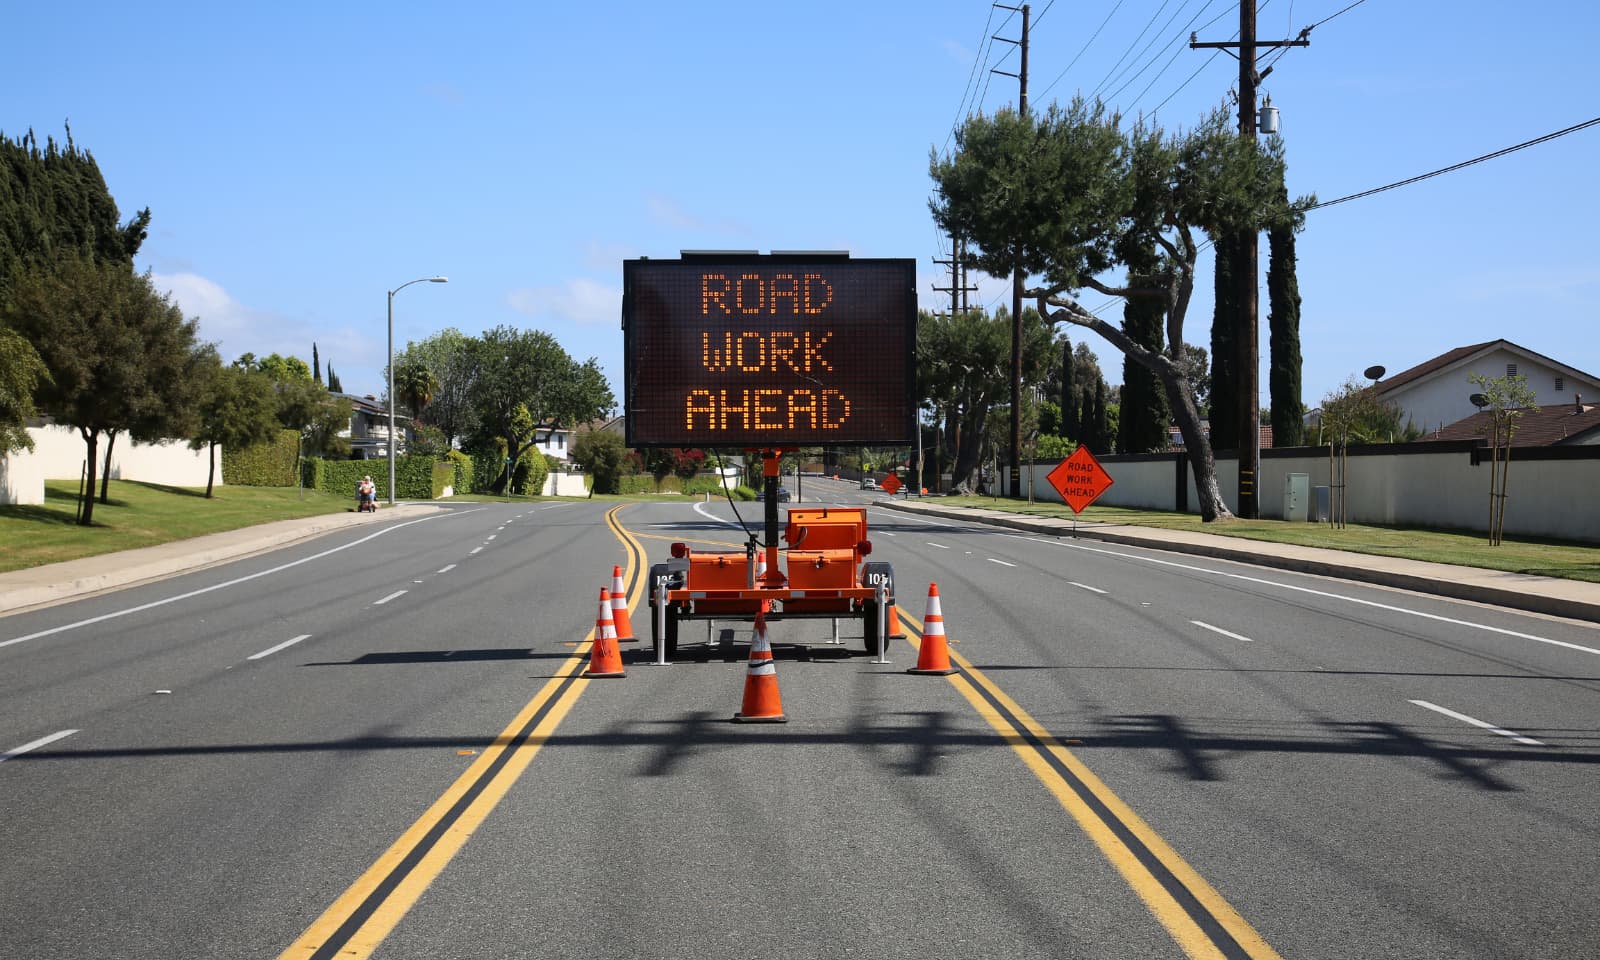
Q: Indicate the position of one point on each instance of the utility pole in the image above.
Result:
(958, 288)
(1248, 265)
(1015, 485)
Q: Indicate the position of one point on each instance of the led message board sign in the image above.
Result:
(755, 351)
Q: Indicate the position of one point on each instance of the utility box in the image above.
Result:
(1296, 497)
(1324, 506)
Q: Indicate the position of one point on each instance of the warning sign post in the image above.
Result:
(1079, 479)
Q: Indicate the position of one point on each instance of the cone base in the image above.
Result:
(933, 671)
(775, 718)
(590, 674)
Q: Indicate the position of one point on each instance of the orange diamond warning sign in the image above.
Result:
(1079, 479)
(892, 484)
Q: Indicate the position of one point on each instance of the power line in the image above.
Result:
(1089, 43)
(1135, 43)
(1466, 163)
(979, 54)
(1148, 63)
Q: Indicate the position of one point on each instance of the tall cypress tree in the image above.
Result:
(1142, 427)
(1288, 408)
(1070, 417)
(316, 365)
(1224, 415)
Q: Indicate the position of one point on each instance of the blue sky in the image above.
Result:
(302, 159)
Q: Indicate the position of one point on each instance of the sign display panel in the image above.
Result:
(762, 351)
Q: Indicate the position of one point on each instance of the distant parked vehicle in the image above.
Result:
(867, 483)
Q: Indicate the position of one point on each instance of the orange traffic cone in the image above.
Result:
(762, 704)
(933, 657)
(619, 607)
(605, 660)
(761, 567)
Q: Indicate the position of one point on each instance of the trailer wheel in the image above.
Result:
(873, 574)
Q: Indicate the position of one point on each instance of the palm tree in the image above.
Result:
(414, 385)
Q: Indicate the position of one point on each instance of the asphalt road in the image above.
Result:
(1145, 755)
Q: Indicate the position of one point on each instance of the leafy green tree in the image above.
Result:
(116, 351)
(237, 409)
(1283, 320)
(964, 361)
(600, 453)
(1197, 367)
(450, 356)
(280, 369)
(1069, 196)
(528, 370)
(21, 374)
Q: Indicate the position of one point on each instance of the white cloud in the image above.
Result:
(581, 301)
(238, 328)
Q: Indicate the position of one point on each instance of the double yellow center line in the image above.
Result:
(1194, 914)
(365, 914)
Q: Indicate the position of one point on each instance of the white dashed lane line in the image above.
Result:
(474, 550)
(397, 593)
(490, 537)
(1515, 737)
(446, 568)
(1001, 562)
(283, 646)
(1226, 633)
(1085, 586)
(41, 742)
(939, 545)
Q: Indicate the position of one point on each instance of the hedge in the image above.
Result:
(462, 466)
(269, 464)
(414, 477)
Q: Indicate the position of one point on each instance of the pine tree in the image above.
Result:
(1142, 427)
(316, 365)
(1288, 408)
(1224, 416)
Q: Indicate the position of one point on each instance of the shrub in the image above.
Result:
(413, 476)
(269, 464)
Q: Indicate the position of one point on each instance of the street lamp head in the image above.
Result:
(438, 279)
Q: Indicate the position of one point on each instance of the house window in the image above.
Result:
(1511, 369)
(561, 438)
(1561, 384)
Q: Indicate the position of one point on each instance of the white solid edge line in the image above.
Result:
(41, 742)
(446, 568)
(282, 646)
(1225, 633)
(1515, 737)
(1320, 593)
(228, 583)
(1085, 586)
(397, 593)
(1001, 562)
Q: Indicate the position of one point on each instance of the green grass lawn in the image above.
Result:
(1547, 558)
(142, 515)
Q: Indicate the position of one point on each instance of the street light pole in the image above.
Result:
(390, 444)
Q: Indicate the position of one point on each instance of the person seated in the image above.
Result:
(367, 492)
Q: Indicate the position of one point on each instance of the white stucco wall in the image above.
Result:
(58, 454)
(1547, 498)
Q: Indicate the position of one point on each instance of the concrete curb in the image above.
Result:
(1521, 592)
(74, 579)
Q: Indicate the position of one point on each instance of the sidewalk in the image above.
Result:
(1576, 599)
(55, 582)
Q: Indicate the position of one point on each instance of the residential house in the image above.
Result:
(1438, 392)
(1574, 423)
(369, 428)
